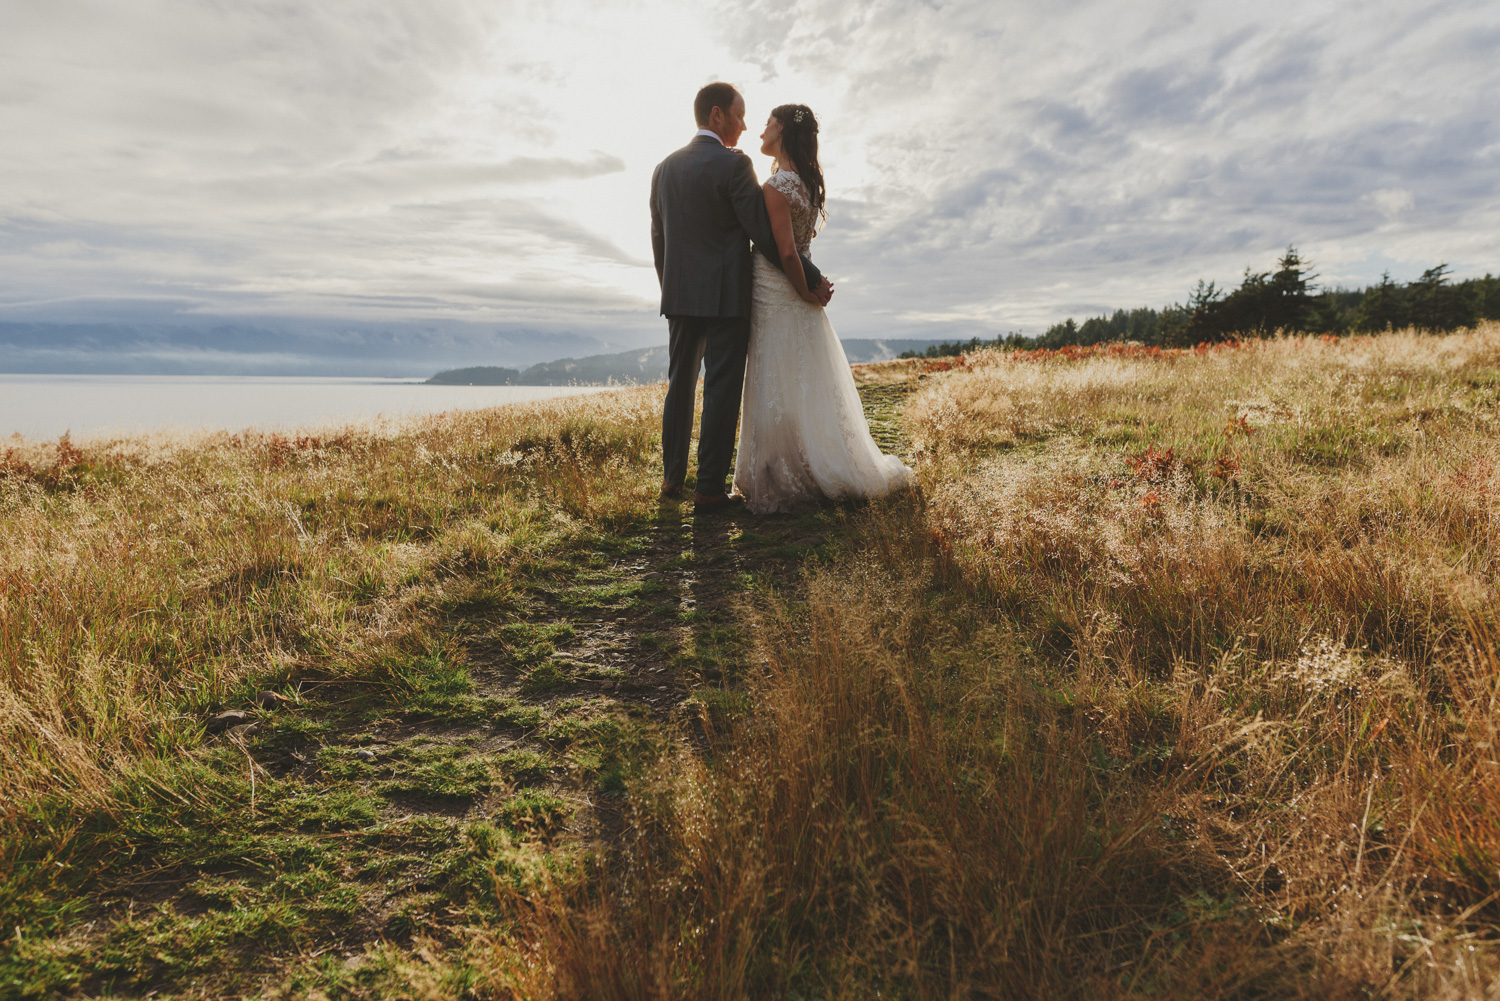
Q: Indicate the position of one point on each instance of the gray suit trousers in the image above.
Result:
(720, 343)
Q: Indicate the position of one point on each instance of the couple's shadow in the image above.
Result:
(698, 562)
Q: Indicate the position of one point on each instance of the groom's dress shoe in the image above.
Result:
(716, 502)
(671, 491)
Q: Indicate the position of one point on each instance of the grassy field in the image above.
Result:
(1177, 678)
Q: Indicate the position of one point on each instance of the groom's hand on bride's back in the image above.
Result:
(825, 290)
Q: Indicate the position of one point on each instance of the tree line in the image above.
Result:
(1267, 301)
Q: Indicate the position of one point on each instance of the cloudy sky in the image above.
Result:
(482, 167)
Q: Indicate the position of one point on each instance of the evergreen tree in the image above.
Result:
(1333, 311)
(1207, 319)
(1264, 303)
(1382, 308)
(1268, 301)
(1059, 334)
(1286, 303)
(1097, 330)
(1143, 325)
(1433, 303)
(1172, 327)
(1484, 293)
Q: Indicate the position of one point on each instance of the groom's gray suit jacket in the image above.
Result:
(706, 209)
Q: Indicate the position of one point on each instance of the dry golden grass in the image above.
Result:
(1178, 679)
(143, 580)
(1181, 681)
(1282, 490)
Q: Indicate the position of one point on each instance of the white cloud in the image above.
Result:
(991, 166)
(1021, 165)
(1391, 202)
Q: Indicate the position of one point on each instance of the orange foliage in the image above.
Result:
(1153, 466)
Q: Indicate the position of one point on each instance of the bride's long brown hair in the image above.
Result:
(799, 138)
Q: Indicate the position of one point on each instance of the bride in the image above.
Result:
(803, 433)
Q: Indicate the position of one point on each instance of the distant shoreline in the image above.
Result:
(633, 368)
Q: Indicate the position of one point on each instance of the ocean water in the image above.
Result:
(93, 406)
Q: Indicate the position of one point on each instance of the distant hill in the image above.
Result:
(478, 375)
(639, 367)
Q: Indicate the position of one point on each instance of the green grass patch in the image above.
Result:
(453, 776)
(524, 765)
(532, 810)
(548, 676)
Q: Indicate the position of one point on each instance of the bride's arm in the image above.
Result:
(786, 244)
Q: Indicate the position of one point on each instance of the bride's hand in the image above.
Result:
(820, 295)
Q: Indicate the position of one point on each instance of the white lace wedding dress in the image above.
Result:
(803, 433)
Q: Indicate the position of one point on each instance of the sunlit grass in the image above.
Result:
(1179, 682)
(146, 580)
(1178, 678)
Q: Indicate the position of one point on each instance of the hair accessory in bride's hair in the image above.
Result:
(797, 116)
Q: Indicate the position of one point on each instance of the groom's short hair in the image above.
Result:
(715, 95)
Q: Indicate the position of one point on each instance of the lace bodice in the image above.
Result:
(804, 219)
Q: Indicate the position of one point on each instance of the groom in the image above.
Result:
(706, 210)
